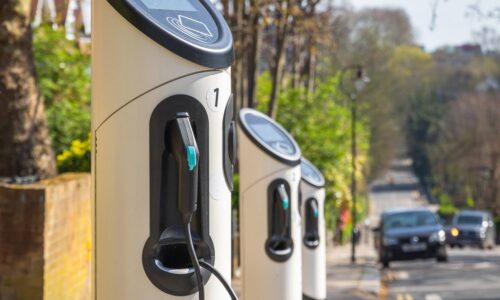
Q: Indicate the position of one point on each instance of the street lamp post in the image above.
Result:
(359, 80)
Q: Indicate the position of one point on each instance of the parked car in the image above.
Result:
(407, 234)
(472, 228)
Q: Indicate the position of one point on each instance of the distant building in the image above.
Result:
(469, 49)
(457, 56)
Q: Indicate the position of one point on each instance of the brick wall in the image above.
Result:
(45, 236)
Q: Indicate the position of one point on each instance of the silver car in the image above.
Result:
(472, 228)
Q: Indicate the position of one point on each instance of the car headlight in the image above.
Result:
(388, 241)
(454, 232)
(439, 236)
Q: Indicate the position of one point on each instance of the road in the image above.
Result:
(470, 274)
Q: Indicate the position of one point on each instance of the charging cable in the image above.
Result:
(219, 276)
(184, 141)
(194, 260)
(197, 263)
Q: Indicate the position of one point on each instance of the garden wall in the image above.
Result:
(45, 239)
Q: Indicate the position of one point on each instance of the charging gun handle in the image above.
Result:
(185, 150)
(285, 202)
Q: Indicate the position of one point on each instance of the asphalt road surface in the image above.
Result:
(470, 274)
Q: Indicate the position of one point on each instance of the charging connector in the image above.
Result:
(187, 202)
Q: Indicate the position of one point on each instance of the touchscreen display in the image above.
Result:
(309, 172)
(268, 133)
(179, 5)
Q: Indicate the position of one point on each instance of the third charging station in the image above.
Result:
(164, 152)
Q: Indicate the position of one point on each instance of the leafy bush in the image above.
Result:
(446, 206)
(63, 73)
(77, 157)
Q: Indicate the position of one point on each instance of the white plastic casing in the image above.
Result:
(314, 260)
(131, 76)
(263, 278)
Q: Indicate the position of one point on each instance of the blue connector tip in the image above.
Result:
(192, 158)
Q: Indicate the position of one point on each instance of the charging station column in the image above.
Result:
(163, 149)
(312, 206)
(270, 223)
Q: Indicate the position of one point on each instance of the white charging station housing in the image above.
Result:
(269, 161)
(312, 206)
(150, 60)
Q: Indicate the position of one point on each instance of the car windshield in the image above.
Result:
(469, 220)
(409, 220)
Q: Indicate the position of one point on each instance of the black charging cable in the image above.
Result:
(221, 278)
(196, 266)
(194, 261)
(183, 142)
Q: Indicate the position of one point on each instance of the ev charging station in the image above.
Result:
(269, 162)
(312, 194)
(163, 149)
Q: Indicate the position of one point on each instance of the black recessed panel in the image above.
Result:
(193, 29)
(311, 174)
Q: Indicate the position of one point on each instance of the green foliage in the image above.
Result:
(320, 123)
(63, 74)
(346, 234)
(236, 192)
(446, 206)
(263, 91)
(470, 202)
(77, 157)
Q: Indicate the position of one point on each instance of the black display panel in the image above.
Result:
(186, 19)
(311, 174)
(169, 5)
(270, 136)
(193, 29)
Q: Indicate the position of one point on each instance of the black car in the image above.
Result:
(472, 228)
(407, 234)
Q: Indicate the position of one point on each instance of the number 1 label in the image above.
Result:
(213, 99)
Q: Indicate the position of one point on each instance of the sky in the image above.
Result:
(452, 26)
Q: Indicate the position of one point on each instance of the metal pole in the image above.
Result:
(353, 177)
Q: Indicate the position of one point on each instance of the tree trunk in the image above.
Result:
(25, 147)
(254, 55)
(281, 34)
(275, 78)
(225, 9)
(311, 71)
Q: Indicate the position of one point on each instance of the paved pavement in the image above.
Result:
(346, 281)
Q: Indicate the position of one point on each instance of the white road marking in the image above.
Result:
(433, 297)
(483, 265)
(401, 275)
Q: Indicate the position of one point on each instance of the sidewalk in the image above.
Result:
(346, 281)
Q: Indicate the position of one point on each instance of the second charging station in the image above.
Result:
(270, 222)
